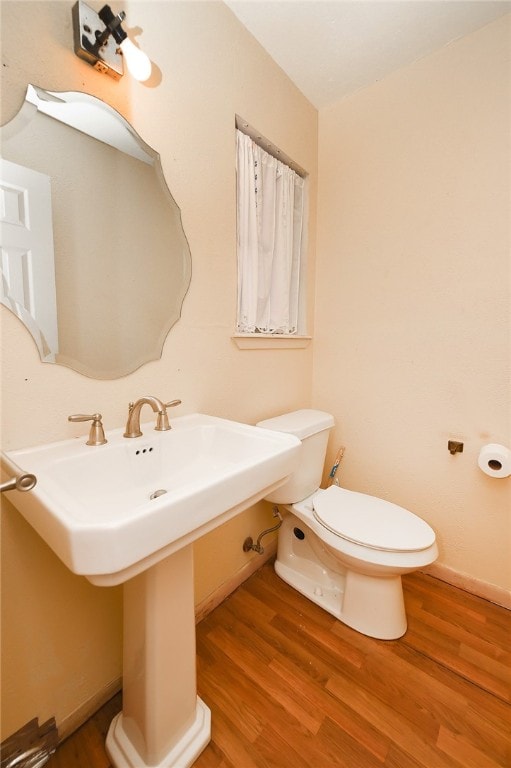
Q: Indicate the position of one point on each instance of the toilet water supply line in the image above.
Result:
(249, 545)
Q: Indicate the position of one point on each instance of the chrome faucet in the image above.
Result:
(162, 420)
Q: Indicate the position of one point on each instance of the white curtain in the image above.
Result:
(270, 240)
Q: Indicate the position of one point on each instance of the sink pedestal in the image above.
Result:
(164, 724)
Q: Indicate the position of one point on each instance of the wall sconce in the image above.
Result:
(100, 40)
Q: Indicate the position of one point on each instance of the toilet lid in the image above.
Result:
(370, 521)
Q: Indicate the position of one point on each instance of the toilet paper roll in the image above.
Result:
(495, 460)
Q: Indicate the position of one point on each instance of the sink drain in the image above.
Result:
(159, 492)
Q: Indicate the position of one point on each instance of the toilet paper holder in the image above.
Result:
(455, 446)
(495, 460)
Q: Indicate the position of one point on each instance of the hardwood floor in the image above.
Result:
(291, 687)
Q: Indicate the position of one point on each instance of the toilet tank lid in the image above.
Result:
(301, 424)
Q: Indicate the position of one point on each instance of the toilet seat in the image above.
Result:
(371, 522)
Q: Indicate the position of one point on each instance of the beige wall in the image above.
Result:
(61, 635)
(412, 341)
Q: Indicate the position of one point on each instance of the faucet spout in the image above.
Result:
(133, 423)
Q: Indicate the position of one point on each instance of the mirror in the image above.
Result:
(95, 261)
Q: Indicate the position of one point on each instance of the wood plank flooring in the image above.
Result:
(291, 687)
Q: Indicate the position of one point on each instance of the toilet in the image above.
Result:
(342, 549)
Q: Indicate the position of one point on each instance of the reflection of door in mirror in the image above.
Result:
(26, 242)
(122, 263)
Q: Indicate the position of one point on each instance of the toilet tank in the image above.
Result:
(312, 428)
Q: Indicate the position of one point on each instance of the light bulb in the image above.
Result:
(136, 60)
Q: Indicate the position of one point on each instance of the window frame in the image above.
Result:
(299, 339)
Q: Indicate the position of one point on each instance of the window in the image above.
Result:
(271, 216)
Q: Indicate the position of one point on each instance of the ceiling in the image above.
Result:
(331, 48)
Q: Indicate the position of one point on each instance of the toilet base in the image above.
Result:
(372, 605)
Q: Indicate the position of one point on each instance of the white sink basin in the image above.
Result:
(94, 506)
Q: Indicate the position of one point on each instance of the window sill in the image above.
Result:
(270, 341)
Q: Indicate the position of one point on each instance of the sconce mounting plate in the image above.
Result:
(107, 58)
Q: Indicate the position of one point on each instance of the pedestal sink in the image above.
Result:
(128, 512)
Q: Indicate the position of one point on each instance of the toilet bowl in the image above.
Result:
(344, 550)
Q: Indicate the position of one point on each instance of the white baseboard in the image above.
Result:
(224, 590)
(489, 592)
(72, 722)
